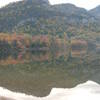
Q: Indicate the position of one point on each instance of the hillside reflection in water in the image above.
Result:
(37, 73)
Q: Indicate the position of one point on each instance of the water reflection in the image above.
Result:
(49, 55)
(38, 72)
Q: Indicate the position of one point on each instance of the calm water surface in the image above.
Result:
(37, 73)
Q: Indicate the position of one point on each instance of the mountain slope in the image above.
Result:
(14, 13)
(39, 17)
(95, 12)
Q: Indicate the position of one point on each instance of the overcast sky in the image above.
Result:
(88, 4)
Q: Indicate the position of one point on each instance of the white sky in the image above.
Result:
(4, 2)
(88, 4)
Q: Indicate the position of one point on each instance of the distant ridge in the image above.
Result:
(95, 12)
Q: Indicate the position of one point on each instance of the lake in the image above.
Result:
(37, 72)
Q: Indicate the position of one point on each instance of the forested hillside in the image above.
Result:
(39, 17)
